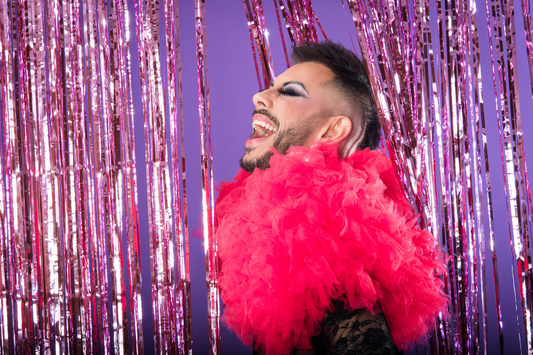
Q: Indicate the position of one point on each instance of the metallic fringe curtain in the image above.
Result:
(69, 238)
(70, 270)
(68, 191)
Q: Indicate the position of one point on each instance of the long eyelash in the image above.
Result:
(282, 91)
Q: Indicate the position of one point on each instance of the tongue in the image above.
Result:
(255, 140)
(258, 135)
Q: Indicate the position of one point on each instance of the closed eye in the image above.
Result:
(288, 91)
(293, 89)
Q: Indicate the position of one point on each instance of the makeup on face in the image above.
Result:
(288, 105)
(293, 88)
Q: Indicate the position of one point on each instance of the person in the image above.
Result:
(318, 248)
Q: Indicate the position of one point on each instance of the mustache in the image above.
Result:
(267, 114)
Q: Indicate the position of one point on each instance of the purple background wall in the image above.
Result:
(232, 81)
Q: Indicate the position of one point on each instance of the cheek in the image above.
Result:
(293, 113)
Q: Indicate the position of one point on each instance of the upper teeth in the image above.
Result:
(264, 128)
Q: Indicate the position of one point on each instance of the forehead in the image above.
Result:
(309, 73)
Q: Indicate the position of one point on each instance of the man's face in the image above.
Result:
(293, 111)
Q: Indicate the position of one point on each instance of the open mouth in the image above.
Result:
(262, 129)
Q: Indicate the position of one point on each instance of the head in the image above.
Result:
(325, 95)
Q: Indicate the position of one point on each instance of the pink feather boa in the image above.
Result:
(313, 228)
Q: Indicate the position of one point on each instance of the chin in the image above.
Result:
(245, 159)
(247, 165)
(250, 163)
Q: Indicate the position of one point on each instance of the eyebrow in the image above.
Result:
(292, 82)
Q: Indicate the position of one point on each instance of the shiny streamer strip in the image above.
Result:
(12, 203)
(147, 25)
(94, 179)
(7, 112)
(477, 126)
(300, 21)
(490, 211)
(501, 25)
(168, 250)
(38, 248)
(430, 102)
(182, 285)
(259, 40)
(280, 28)
(76, 247)
(123, 111)
(210, 245)
(67, 147)
(528, 29)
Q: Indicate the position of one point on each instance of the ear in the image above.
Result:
(351, 143)
(338, 129)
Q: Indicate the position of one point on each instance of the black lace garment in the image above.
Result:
(355, 332)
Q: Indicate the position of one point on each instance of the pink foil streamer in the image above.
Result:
(124, 111)
(477, 111)
(448, 83)
(429, 113)
(489, 192)
(300, 20)
(21, 300)
(79, 288)
(523, 197)
(96, 179)
(6, 108)
(287, 19)
(210, 245)
(65, 310)
(528, 32)
(469, 173)
(40, 265)
(252, 41)
(527, 204)
(259, 37)
(181, 247)
(10, 179)
(276, 6)
(460, 248)
(258, 9)
(262, 39)
(513, 164)
(111, 184)
(166, 298)
(62, 210)
(56, 124)
(445, 328)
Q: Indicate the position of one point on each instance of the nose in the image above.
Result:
(263, 99)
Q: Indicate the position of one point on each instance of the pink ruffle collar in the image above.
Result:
(312, 228)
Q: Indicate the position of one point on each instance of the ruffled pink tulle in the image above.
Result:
(313, 228)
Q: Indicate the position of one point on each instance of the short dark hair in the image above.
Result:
(350, 77)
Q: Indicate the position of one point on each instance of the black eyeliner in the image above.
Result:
(283, 91)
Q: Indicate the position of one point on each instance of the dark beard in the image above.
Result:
(293, 136)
